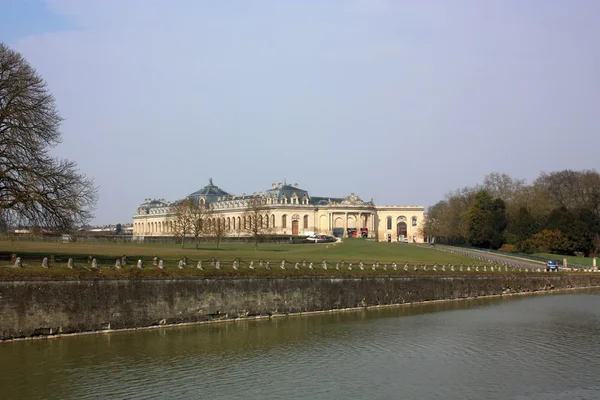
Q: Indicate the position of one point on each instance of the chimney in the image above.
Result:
(296, 185)
(280, 185)
(274, 186)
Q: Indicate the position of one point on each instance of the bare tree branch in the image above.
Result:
(36, 189)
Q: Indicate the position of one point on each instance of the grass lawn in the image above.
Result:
(350, 251)
(570, 259)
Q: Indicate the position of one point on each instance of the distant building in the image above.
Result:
(291, 211)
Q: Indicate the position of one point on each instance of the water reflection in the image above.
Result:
(484, 348)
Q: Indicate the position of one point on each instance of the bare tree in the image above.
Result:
(502, 186)
(217, 229)
(184, 223)
(36, 189)
(199, 214)
(256, 219)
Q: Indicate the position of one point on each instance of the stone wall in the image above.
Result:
(34, 308)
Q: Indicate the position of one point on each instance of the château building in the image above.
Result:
(291, 211)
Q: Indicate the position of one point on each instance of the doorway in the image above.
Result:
(401, 230)
(295, 227)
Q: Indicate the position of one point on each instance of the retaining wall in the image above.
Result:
(34, 308)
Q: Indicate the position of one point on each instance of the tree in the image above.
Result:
(199, 214)
(596, 251)
(256, 219)
(36, 189)
(501, 186)
(218, 230)
(446, 220)
(521, 226)
(486, 221)
(183, 223)
(118, 229)
(553, 241)
(573, 189)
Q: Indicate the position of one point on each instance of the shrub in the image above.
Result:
(507, 248)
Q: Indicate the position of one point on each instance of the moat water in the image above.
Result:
(530, 347)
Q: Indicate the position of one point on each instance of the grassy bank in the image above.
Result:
(570, 259)
(349, 251)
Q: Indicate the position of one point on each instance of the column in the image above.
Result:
(373, 225)
(346, 223)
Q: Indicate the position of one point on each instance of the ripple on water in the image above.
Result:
(534, 348)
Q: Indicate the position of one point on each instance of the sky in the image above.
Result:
(399, 101)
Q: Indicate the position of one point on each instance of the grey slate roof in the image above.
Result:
(287, 191)
(209, 192)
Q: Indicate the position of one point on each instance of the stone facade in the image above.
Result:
(291, 211)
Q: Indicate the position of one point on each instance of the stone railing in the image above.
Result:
(482, 265)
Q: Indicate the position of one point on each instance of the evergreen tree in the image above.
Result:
(521, 226)
(486, 221)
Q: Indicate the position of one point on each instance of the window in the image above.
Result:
(284, 221)
(414, 221)
(272, 221)
(306, 222)
(389, 222)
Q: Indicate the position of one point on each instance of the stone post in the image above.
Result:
(595, 262)
(565, 263)
(70, 263)
(45, 262)
(18, 263)
(118, 263)
(94, 263)
(139, 264)
(161, 264)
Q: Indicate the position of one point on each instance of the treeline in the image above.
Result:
(558, 213)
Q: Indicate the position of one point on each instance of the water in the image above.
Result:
(535, 347)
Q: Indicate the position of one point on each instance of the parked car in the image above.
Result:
(320, 239)
(552, 265)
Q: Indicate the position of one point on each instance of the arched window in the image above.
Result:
(267, 221)
(389, 222)
(228, 223)
(272, 221)
(414, 221)
(284, 221)
(306, 222)
(260, 221)
(239, 225)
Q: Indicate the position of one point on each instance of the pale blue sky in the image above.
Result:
(400, 101)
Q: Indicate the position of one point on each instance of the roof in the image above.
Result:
(281, 190)
(149, 204)
(210, 192)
